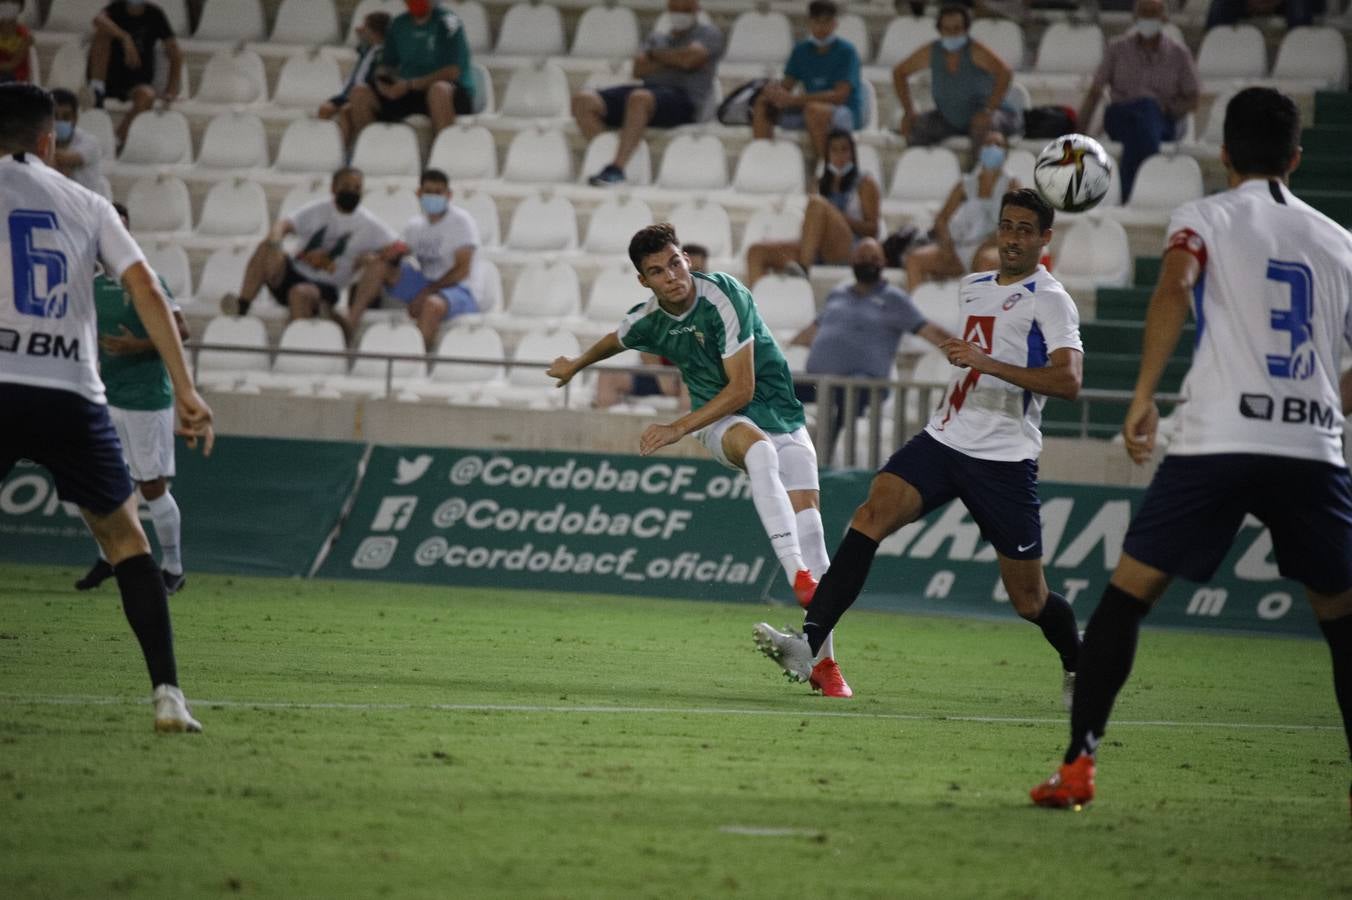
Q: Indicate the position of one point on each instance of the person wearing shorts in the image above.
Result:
(122, 58)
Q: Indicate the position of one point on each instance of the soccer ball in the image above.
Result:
(1073, 172)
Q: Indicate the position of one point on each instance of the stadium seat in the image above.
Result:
(763, 38)
(465, 153)
(485, 98)
(372, 376)
(235, 209)
(68, 66)
(1019, 165)
(231, 21)
(484, 210)
(233, 77)
(786, 304)
(1003, 37)
(461, 382)
(693, 163)
(904, 35)
(614, 291)
(933, 368)
(73, 16)
(170, 261)
(921, 181)
(1232, 52)
(1093, 253)
(1162, 184)
(158, 138)
(99, 125)
(614, 222)
(601, 151)
(176, 11)
(544, 295)
(938, 302)
(852, 27)
(387, 149)
(1315, 56)
(706, 222)
(303, 194)
(490, 295)
(540, 224)
(234, 140)
(769, 167)
(159, 204)
(531, 30)
(392, 204)
(772, 224)
(303, 374)
(310, 146)
(1069, 54)
(474, 19)
(538, 156)
(307, 80)
(527, 384)
(537, 91)
(225, 369)
(606, 33)
(221, 275)
(306, 22)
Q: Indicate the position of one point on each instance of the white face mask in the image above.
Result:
(681, 21)
(9, 12)
(1148, 28)
(839, 170)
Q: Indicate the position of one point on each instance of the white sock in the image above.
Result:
(773, 507)
(165, 517)
(812, 540)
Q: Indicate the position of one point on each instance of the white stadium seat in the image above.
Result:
(392, 204)
(387, 149)
(310, 146)
(771, 224)
(370, 376)
(221, 275)
(938, 302)
(1003, 37)
(601, 151)
(853, 28)
(1093, 253)
(540, 224)
(703, 222)
(490, 295)
(74, 16)
(158, 138)
(485, 100)
(606, 33)
(1067, 49)
(693, 163)
(99, 125)
(538, 156)
(527, 384)
(68, 66)
(1317, 56)
(465, 153)
(924, 175)
(769, 167)
(614, 222)
(786, 304)
(905, 35)
(176, 11)
(302, 374)
(1232, 52)
(235, 209)
(484, 210)
(231, 21)
(234, 140)
(1162, 184)
(159, 204)
(759, 37)
(307, 80)
(543, 296)
(537, 91)
(223, 369)
(614, 291)
(306, 22)
(170, 261)
(233, 77)
(462, 381)
(474, 19)
(531, 30)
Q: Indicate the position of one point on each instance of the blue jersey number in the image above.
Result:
(40, 275)
(1295, 321)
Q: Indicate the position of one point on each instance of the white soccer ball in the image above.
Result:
(1073, 172)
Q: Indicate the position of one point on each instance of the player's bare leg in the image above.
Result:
(1026, 584)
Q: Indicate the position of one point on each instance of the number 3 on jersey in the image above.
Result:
(1295, 320)
(40, 275)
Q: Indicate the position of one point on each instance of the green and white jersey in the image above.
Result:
(138, 381)
(722, 320)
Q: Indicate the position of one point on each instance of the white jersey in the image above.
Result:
(345, 237)
(434, 245)
(1020, 324)
(1273, 308)
(55, 233)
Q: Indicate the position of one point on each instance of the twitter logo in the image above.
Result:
(409, 471)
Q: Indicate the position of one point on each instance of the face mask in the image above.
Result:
(867, 273)
(681, 21)
(839, 170)
(992, 157)
(434, 204)
(953, 44)
(64, 130)
(823, 42)
(346, 200)
(1148, 28)
(419, 8)
(9, 12)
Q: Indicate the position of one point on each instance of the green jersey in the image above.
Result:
(415, 50)
(134, 381)
(722, 320)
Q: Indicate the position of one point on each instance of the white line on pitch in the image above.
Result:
(756, 831)
(77, 700)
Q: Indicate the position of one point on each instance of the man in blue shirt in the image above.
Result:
(827, 66)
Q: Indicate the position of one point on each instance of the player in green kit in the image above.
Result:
(743, 409)
(141, 405)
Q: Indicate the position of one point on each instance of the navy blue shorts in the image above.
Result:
(1195, 506)
(1001, 496)
(70, 437)
(672, 105)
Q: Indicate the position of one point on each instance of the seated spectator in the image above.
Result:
(1229, 12)
(842, 211)
(336, 236)
(856, 335)
(370, 38)
(614, 387)
(1152, 85)
(78, 154)
(424, 68)
(677, 70)
(968, 81)
(447, 280)
(122, 58)
(15, 41)
(964, 230)
(827, 66)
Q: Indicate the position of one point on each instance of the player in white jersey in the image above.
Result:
(52, 404)
(1020, 343)
(1260, 429)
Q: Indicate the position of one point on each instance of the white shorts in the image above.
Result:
(147, 437)
(797, 456)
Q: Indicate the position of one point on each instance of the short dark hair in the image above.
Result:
(436, 176)
(345, 170)
(26, 113)
(954, 9)
(822, 9)
(63, 97)
(1029, 199)
(1262, 131)
(650, 240)
(122, 211)
(696, 250)
(378, 22)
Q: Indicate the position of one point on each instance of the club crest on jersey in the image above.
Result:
(1011, 300)
(980, 330)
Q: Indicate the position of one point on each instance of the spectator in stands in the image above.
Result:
(1152, 85)
(78, 154)
(446, 282)
(856, 335)
(1229, 12)
(968, 81)
(844, 209)
(15, 42)
(963, 237)
(336, 236)
(827, 66)
(614, 387)
(370, 38)
(424, 68)
(677, 69)
(122, 58)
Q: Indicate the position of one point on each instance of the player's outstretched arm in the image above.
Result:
(740, 369)
(564, 368)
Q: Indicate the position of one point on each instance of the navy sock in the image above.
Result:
(1105, 662)
(147, 609)
(1338, 632)
(839, 587)
(1057, 621)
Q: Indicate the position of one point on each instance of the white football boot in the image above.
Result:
(171, 711)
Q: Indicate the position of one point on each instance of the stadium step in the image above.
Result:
(1322, 172)
(1124, 336)
(1146, 272)
(1336, 204)
(1333, 108)
(1117, 371)
(1122, 304)
(1326, 139)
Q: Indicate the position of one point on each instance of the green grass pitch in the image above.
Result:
(390, 741)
